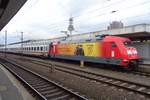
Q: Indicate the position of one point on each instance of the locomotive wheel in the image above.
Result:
(133, 65)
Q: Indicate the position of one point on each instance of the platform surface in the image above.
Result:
(146, 62)
(8, 91)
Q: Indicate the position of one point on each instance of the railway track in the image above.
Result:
(44, 89)
(145, 64)
(136, 72)
(141, 73)
(131, 86)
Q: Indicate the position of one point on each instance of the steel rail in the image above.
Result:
(36, 82)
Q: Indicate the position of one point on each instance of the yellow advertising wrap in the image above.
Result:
(66, 49)
(84, 49)
(92, 49)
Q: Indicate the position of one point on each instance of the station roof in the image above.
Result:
(135, 32)
(8, 8)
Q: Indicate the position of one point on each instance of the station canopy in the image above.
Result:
(135, 32)
(8, 8)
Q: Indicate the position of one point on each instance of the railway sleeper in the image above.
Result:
(50, 91)
(63, 97)
(55, 95)
(38, 84)
(46, 88)
(42, 86)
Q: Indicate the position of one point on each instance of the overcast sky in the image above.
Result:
(42, 19)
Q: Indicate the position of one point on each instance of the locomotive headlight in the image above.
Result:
(129, 52)
(134, 52)
(125, 60)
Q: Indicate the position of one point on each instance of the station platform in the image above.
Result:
(9, 87)
(146, 62)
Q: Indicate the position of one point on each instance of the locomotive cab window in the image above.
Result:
(113, 45)
(127, 44)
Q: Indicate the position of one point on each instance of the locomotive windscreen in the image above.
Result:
(128, 44)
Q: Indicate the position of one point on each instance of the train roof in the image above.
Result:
(96, 38)
(115, 38)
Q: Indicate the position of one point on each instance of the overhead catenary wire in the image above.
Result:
(101, 24)
(107, 23)
(99, 14)
(84, 14)
(83, 27)
(117, 10)
(55, 26)
(78, 17)
(101, 8)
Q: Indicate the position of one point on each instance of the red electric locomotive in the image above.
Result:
(107, 50)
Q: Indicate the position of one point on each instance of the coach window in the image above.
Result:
(41, 48)
(34, 48)
(37, 48)
(113, 45)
